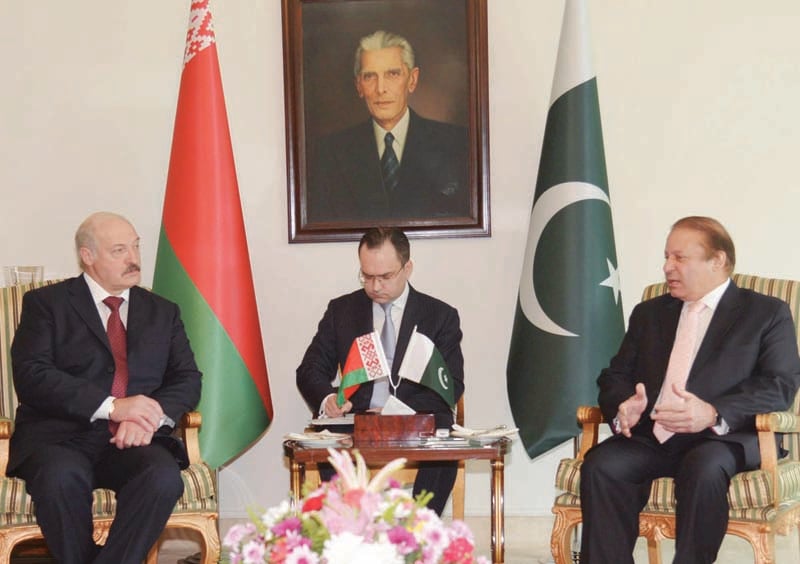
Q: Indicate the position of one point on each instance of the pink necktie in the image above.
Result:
(119, 348)
(680, 362)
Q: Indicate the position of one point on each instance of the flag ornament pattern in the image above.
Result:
(201, 30)
(203, 263)
(423, 363)
(568, 321)
(365, 361)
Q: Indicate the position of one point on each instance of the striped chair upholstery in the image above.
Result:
(196, 509)
(762, 502)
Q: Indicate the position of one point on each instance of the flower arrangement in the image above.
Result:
(352, 520)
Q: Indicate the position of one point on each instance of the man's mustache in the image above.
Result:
(133, 268)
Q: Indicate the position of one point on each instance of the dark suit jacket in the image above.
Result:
(350, 316)
(747, 363)
(63, 366)
(345, 180)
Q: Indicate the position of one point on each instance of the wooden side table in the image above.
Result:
(378, 454)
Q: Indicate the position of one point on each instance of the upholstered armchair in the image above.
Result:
(762, 502)
(196, 510)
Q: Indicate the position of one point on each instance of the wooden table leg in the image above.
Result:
(498, 527)
(297, 476)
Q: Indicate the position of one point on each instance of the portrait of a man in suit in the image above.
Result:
(396, 164)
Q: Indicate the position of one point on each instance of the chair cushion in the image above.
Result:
(16, 507)
(748, 495)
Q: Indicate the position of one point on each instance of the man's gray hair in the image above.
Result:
(383, 40)
(85, 235)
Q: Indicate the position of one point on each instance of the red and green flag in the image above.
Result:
(365, 361)
(203, 263)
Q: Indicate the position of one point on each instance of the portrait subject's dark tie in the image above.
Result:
(119, 348)
(390, 166)
(380, 389)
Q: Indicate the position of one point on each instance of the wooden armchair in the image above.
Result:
(196, 510)
(408, 474)
(762, 502)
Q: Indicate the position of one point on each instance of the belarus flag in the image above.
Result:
(366, 361)
(424, 363)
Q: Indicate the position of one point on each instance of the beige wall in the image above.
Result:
(699, 107)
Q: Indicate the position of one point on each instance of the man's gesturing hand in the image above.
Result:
(630, 410)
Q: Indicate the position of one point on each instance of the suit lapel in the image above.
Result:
(137, 313)
(81, 301)
(725, 316)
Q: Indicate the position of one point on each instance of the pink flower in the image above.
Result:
(289, 524)
(237, 534)
(403, 539)
(459, 552)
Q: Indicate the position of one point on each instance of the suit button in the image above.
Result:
(110, 369)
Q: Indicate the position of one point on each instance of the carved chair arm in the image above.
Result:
(188, 430)
(767, 424)
(590, 418)
(6, 428)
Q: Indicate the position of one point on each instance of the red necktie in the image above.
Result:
(119, 348)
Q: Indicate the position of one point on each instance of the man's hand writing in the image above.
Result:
(688, 414)
(630, 410)
(333, 410)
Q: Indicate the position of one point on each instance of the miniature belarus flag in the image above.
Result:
(365, 361)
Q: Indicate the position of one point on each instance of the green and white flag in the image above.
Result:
(424, 363)
(568, 321)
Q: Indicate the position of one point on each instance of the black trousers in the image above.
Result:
(615, 484)
(60, 479)
(437, 478)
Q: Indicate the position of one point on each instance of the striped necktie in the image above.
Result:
(390, 166)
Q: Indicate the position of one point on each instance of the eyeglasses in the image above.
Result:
(382, 278)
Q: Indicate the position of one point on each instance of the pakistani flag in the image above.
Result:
(568, 321)
(203, 263)
(424, 363)
(365, 361)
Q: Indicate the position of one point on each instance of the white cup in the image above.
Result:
(16, 275)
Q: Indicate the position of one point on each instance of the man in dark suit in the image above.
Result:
(741, 359)
(97, 408)
(384, 256)
(421, 171)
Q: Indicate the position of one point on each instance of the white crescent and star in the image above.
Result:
(552, 201)
(443, 378)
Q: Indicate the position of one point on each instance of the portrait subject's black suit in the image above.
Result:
(747, 364)
(345, 182)
(63, 369)
(350, 316)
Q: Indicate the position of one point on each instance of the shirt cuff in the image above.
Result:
(104, 410)
(722, 429)
(322, 405)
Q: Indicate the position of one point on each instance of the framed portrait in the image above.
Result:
(386, 117)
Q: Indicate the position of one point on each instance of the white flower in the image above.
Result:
(356, 476)
(253, 553)
(302, 555)
(347, 548)
(275, 515)
(237, 533)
